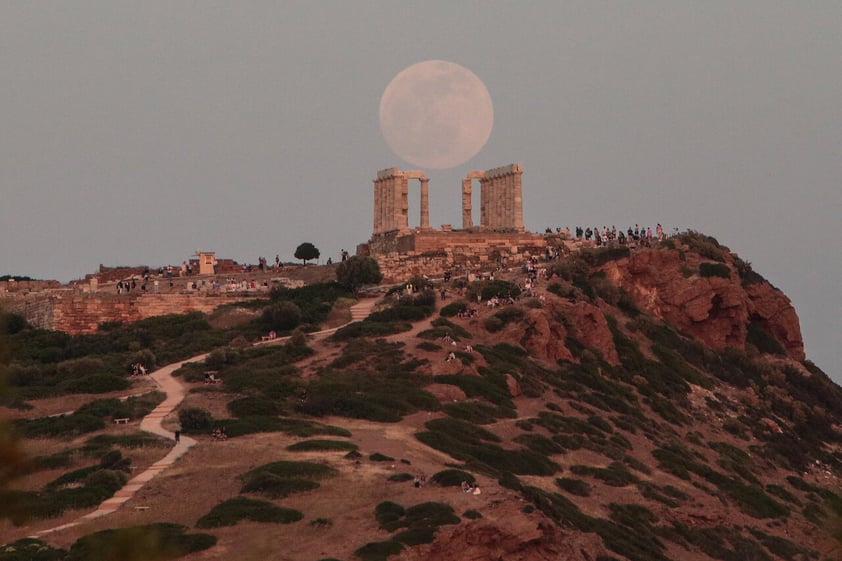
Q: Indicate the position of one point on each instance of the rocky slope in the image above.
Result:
(645, 406)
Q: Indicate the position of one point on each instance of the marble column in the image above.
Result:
(467, 217)
(425, 203)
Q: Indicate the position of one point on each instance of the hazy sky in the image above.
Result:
(138, 132)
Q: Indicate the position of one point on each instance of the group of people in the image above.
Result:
(419, 481)
(632, 236)
(472, 489)
(218, 433)
(467, 313)
(139, 370)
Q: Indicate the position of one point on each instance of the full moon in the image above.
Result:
(436, 114)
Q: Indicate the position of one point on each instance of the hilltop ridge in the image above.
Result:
(638, 405)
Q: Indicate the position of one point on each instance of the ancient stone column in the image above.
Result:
(402, 207)
(425, 203)
(517, 198)
(378, 208)
(467, 219)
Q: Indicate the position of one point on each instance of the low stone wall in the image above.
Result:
(432, 253)
(78, 312)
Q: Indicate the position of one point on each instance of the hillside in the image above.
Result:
(646, 406)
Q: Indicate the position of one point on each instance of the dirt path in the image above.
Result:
(153, 423)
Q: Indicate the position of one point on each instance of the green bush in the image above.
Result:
(472, 514)
(706, 246)
(95, 383)
(31, 549)
(599, 256)
(472, 411)
(401, 477)
(540, 444)
(379, 551)
(100, 444)
(453, 309)
(158, 541)
(452, 478)
(275, 487)
(490, 289)
(195, 420)
(282, 315)
(378, 457)
(63, 426)
(321, 445)
(574, 486)
(250, 406)
(764, 341)
(233, 510)
(370, 329)
(720, 270)
(615, 475)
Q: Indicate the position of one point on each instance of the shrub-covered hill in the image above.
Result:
(645, 405)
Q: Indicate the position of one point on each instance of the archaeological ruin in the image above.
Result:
(403, 252)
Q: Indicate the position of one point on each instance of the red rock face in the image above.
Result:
(519, 538)
(715, 310)
(546, 330)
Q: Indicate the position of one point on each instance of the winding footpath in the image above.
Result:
(175, 391)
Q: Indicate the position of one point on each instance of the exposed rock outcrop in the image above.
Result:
(714, 309)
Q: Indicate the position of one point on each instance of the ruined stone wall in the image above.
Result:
(432, 253)
(27, 285)
(78, 312)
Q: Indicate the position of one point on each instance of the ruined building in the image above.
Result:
(403, 252)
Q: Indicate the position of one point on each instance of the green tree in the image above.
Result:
(283, 315)
(358, 271)
(306, 252)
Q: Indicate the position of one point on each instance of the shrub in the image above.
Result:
(490, 289)
(600, 256)
(472, 411)
(401, 477)
(574, 486)
(764, 341)
(720, 270)
(378, 457)
(290, 469)
(95, 383)
(283, 315)
(706, 246)
(453, 309)
(378, 551)
(472, 514)
(452, 478)
(250, 406)
(31, 549)
(358, 271)
(139, 543)
(233, 510)
(63, 426)
(321, 445)
(615, 474)
(195, 420)
(275, 487)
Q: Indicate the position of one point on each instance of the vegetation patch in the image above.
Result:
(720, 270)
(615, 474)
(452, 478)
(574, 486)
(229, 512)
(372, 395)
(321, 445)
(379, 551)
(158, 541)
